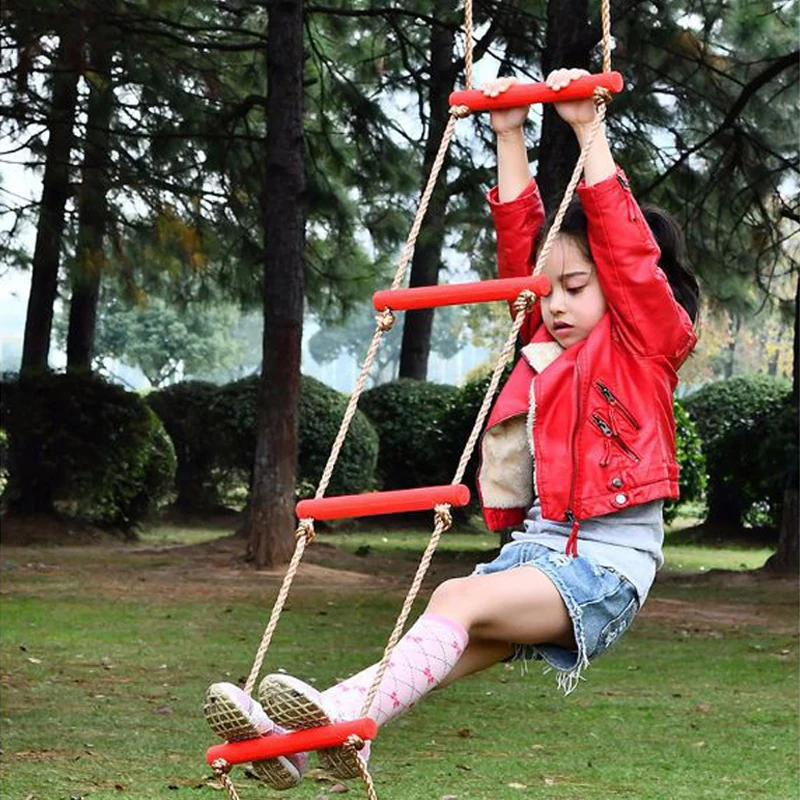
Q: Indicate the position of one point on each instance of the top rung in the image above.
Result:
(523, 94)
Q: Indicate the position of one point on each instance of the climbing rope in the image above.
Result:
(384, 322)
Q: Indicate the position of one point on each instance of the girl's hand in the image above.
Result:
(506, 119)
(575, 113)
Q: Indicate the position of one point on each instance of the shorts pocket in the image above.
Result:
(616, 627)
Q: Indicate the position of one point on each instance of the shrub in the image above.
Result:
(692, 461)
(750, 441)
(321, 411)
(407, 415)
(87, 448)
(189, 413)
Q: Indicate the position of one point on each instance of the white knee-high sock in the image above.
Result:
(420, 661)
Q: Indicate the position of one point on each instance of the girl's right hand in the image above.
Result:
(506, 119)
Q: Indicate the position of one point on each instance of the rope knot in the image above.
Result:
(385, 319)
(306, 528)
(460, 112)
(354, 742)
(443, 516)
(525, 301)
(220, 767)
(602, 97)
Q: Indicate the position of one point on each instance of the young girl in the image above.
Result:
(579, 449)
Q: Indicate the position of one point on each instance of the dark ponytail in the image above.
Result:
(674, 261)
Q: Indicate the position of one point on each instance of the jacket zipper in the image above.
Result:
(613, 400)
(631, 203)
(569, 515)
(613, 436)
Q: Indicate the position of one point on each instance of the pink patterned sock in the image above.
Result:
(420, 661)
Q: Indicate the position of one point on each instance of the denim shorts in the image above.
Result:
(601, 603)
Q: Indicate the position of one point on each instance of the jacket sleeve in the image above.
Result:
(644, 312)
(517, 223)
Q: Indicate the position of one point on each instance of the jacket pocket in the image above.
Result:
(616, 404)
(612, 436)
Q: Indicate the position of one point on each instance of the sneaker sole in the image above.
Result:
(229, 722)
(286, 702)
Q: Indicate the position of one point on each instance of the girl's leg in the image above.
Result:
(519, 605)
(479, 655)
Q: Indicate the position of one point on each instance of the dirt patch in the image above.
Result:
(218, 568)
(712, 615)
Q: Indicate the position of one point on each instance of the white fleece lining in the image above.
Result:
(507, 465)
(508, 470)
(540, 355)
(529, 433)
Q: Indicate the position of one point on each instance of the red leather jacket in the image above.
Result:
(595, 419)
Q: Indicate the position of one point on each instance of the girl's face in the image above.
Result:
(576, 302)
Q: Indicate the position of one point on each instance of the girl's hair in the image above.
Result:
(668, 235)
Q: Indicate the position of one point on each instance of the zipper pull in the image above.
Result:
(572, 541)
(602, 425)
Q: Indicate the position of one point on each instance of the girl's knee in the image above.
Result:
(451, 593)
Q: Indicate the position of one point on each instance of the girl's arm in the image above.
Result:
(580, 116)
(516, 206)
(645, 315)
(513, 173)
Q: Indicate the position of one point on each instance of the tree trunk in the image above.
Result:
(92, 205)
(55, 191)
(787, 557)
(566, 45)
(427, 259)
(270, 522)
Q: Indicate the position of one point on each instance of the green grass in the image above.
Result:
(106, 654)
(682, 556)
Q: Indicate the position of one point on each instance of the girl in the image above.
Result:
(579, 449)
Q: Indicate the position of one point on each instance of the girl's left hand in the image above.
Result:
(574, 112)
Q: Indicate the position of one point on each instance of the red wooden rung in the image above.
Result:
(373, 503)
(287, 743)
(458, 293)
(523, 94)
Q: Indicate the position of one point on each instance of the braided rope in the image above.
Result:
(353, 745)
(303, 538)
(469, 44)
(605, 15)
(443, 522)
(221, 768)
(385, 320)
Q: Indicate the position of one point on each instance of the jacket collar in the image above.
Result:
(541, 355)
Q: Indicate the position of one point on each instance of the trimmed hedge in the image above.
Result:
(407, 414)
(86, 448)
(691, 459)
(749, 434)
(189, 413)
(321, 411)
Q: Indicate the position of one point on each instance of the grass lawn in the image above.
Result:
(107, 651)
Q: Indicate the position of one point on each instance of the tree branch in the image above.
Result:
(741, 101)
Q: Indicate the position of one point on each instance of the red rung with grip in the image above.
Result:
(374, 503)
(458, 293)
(523, 94)
(287, 743)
